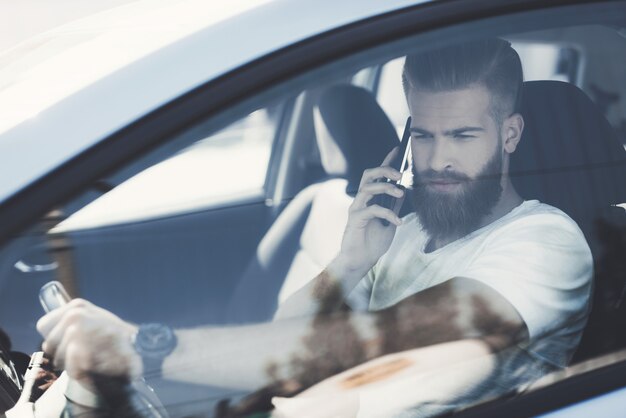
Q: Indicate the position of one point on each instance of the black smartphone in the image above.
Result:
(401, 163)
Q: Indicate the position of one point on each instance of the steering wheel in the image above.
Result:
(135, 399)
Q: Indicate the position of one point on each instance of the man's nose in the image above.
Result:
(441, 157)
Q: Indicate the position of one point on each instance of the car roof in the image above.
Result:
(67, 89)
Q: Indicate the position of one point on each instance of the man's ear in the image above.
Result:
(512, 132)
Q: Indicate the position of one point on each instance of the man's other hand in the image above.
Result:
(82, 338)
(365, 238)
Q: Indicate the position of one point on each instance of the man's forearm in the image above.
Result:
(235, 357)
(305, 350)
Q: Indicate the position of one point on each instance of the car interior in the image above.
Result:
(235, 261)
(307, 234)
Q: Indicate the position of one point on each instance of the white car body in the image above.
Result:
(113, 81)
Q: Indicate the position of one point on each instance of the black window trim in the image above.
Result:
(27, 206)
(567, 392)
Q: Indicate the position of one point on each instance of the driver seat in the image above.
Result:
(570, 157)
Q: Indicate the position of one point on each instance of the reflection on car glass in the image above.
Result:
(255, 271)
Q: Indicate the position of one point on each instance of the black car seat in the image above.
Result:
(353, 133)
(570, 157)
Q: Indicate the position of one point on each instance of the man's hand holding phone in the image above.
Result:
(401, 161)
(373, 216)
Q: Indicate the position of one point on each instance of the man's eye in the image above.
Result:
(422, 138)
(464, 137)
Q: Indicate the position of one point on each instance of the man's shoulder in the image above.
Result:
(534, 212)
(535, 207)
(539, 221)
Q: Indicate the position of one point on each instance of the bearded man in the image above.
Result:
(474, 261)
(473, 245)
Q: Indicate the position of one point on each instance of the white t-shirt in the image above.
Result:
(535, 256)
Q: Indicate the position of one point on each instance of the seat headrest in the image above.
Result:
(569, 155)
(353, 132)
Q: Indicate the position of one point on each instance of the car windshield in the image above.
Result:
(427, 225)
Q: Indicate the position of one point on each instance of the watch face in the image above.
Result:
(155, 340)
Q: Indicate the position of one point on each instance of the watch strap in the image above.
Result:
(154, 342)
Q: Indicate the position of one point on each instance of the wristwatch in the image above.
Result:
(153, 342)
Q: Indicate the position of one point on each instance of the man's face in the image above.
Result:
(457, 157)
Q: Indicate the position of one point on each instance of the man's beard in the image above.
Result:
(453, 215)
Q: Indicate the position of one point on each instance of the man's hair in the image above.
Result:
(492, 63)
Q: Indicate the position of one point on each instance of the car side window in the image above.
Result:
(186, 182)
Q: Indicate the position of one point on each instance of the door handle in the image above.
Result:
(35, 268)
